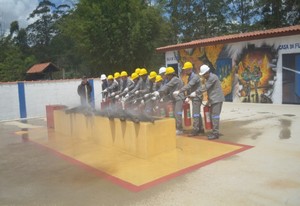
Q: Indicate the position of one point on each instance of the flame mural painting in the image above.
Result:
(246, 74)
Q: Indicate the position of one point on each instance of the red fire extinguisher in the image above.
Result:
(170, 110)
(105, 103)
(207, 120)
(187, 114)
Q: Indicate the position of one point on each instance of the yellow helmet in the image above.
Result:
(170, 70)
(134, 76)
(152, 75)
(143, 72)
(116, 75)
(110, 77)
(158, 78)
(187, 65)
(124, 74)
(137, 71)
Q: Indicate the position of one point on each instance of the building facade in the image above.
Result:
(257, 67)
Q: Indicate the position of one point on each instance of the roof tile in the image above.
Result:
(286, 31)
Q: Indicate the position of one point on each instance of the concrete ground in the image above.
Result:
(267, 174)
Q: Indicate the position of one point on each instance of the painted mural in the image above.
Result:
(246, 74)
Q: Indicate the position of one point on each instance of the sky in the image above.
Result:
(19, 10)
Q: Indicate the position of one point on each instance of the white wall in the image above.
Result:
(38, 94)
(9, 101)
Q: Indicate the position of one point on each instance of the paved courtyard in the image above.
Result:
(267, 174)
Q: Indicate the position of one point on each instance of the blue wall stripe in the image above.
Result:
(91, 81)
(22, 100)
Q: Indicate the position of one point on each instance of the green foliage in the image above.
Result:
(115, 35)
(106, 36)
(13, 64)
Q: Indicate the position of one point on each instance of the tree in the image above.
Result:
(292, 9)
(242, 14)
(279, 13)
(115, 35)
(195, 19)
(41, 32)
(13, 64)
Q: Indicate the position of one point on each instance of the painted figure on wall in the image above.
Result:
(257, 76)
(246, 76)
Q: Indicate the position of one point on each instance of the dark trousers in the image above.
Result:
(215, 116)
(197, 118)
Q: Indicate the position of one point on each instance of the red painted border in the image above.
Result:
(133, 187)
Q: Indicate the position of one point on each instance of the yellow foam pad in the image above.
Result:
(128, 170)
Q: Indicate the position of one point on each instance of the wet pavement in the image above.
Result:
(267, 174)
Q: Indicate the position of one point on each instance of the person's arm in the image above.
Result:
(137, 87)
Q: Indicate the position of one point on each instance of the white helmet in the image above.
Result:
(103, 77)
(203, 69)
(162, 70)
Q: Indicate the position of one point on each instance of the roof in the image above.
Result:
(285, 31)
(44, 67)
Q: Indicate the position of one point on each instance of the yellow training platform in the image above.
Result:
(136, 156)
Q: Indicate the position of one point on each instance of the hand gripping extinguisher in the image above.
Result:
(207, 120)
(187, 114)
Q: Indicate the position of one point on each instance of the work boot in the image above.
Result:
(196, 133)
(193, 134)
(201, 131)
(213, 136)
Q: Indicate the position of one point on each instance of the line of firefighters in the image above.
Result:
(165, 94)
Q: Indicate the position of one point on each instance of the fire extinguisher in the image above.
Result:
(187, 114)
(170, 110)
(207, 120)
(105, 103)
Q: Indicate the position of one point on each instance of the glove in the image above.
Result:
(187, 100)
(137, 92)
(193, 94)
(175, 93)
(105, 90)
(126, 89)
(146, 95)
(127, 95)
(113, 94)
(154, 98)
(117, 96)
(156, 93)
(207, 103)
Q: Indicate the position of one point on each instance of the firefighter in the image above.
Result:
(137, 71)
(152, 77)
(103, 85)
(215, 98)
(129, 95)
(118, 78)
(174, 84)
(112, 86)
(126, 83)
(161, 72)
(158, 82)
(149, 103)
(190, 89)
(143, 84)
